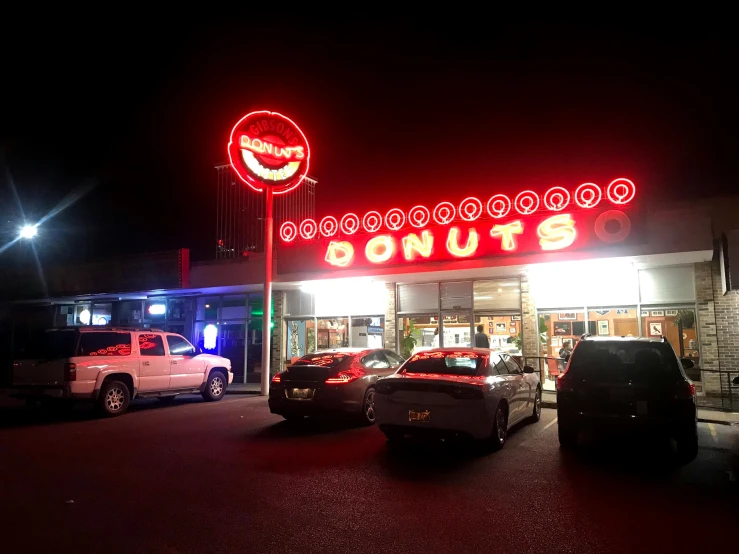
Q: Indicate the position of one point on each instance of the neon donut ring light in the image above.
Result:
(470, 209)
(556, 193)
(419, 216)
(444, 213)
(621, 191)
(494, 201)
(288, 231)
(372, 221)
(349, 224)
(590, 201)
(533, 202)
(328, 226)
(394, 219)
(308, 229)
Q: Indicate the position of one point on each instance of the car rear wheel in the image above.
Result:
(568, 435)
(215, 388)
(114, 398)
(536, 416)
(500, 430)
(368, 407)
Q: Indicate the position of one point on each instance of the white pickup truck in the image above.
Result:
(113, 365)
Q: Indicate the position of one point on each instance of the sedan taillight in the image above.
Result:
(685, 390)
(276, 378)
(347, 376)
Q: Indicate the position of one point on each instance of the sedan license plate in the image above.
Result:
(421, 417)
(302, 394)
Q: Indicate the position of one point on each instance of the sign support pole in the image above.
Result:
(267, 309)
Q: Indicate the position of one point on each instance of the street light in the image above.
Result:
(28, 231)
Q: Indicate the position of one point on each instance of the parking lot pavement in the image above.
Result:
(231, 477)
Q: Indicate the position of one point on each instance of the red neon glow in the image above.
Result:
(588, 195)
(340, 253)
(268, 150)
(444, 213)
(527, 202)
(308, 229)
(349, 224)
(372, 221)
(394, 219)
(470, 209)
(452, 243)
(608, 235)
(499, 205)
(412, 245)
(556, 199)
(507, 234)
(419, 216)
(288, 231)
(556, 232)
(621, 191)
(117, 350)
(380, 249)
(329, 226)
(346, 376)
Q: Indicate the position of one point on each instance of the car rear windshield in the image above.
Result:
(49, 345)
(446, 363)
(327, 359)
(638, 361)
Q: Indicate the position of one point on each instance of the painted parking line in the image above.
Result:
(548, 425)
(712, 429)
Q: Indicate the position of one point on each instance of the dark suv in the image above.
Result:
(627, 383)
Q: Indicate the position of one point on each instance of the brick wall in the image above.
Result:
(726, 309)
(391, 336)
(277, 353)
(704, 296)
(528, 320)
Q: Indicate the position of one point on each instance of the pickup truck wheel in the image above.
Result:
(215, 388)
(114, 398)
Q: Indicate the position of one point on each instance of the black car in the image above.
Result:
(627, 384)
(339, 380)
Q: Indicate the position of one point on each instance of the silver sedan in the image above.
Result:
(471, 392)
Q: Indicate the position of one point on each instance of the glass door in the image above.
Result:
(456, 329)
(417, 333)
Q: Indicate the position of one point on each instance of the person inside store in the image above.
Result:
(564, 352)
(435, 340)
(481, 339)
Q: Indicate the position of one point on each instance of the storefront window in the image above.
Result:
(82, 314)
(559, 328)
(233, 307)
(497, 294)
(678, 326)
(206, 336)
(417, 333)
(176, 309)
(503, 331)
(612, 322)
(130, 312)
(456, 330)
(64, 316)
(155, 310)
(368, 332)
(333, 332)
(101, 314)
(207, 309)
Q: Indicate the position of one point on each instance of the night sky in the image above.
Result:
(133, 118)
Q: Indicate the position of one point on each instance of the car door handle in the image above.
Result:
(174, 361)
(144, 363)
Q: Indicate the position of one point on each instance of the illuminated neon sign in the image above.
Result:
(268, 150)
(560, 219)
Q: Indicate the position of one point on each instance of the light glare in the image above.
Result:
(29, 231)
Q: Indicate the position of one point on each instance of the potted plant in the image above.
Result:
(685, 319)
(408, 344)
(515, 341)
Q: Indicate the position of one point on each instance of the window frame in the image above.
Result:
(148, 354)
(169, 348)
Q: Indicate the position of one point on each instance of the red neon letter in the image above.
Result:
(557, 232)
(506, 233)
(452, 243)
(380, 249)
(423, 246)
(339, 253)
(612, 233)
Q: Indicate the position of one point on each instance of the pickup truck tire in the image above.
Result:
(215, 387)
(114, 398)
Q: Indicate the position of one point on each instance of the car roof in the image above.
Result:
(622, 339)
(463, 349)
